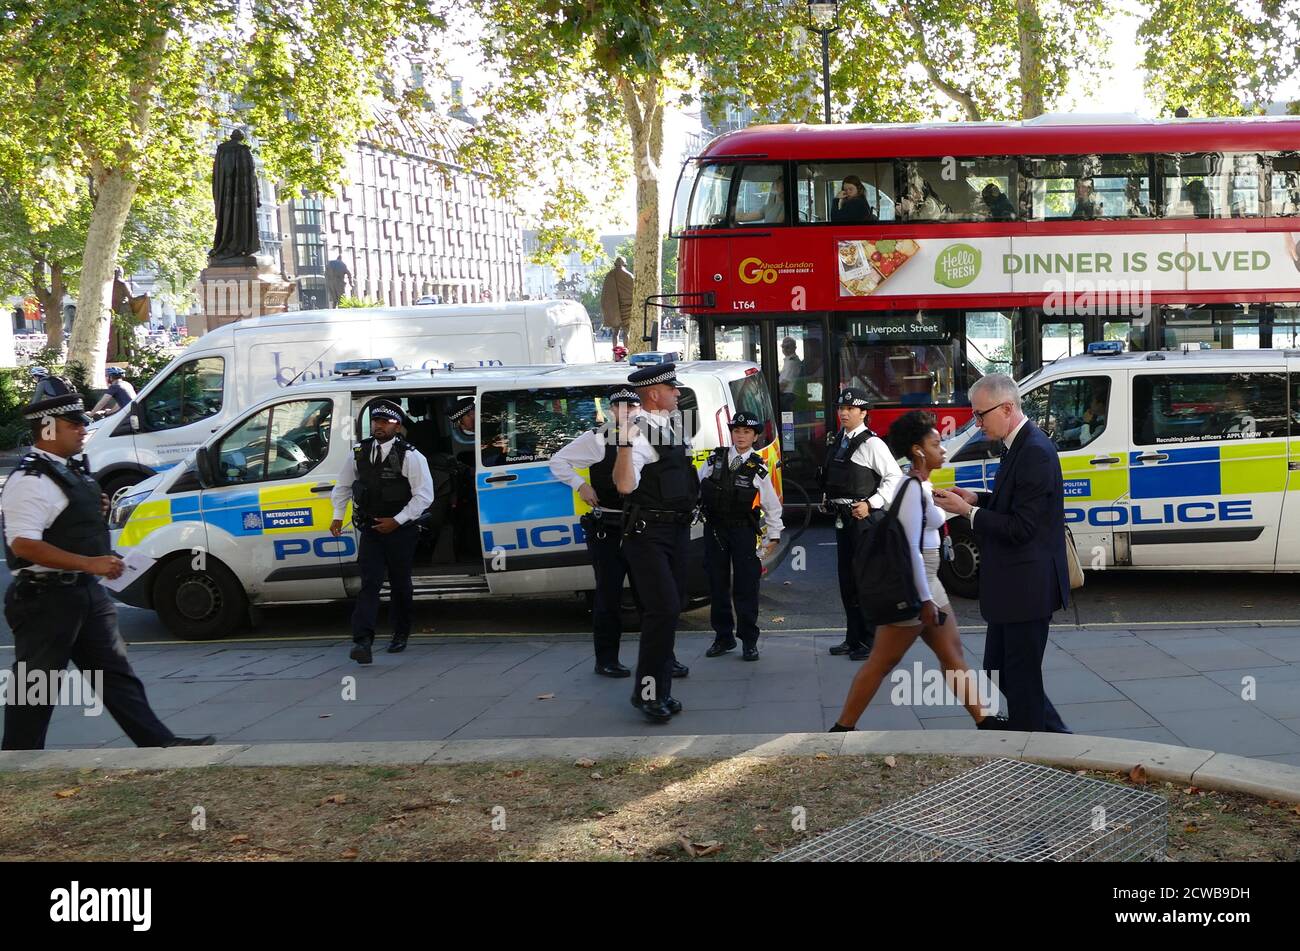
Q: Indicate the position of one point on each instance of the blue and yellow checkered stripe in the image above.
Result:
(269, 510)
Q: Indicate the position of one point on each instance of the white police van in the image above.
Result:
(1171, 461)
(213, 379)
(246, 519)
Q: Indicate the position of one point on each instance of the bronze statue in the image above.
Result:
(234, 195)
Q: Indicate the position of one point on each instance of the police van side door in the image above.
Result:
(268, 518)
(1084, 415)
(1208, 465)
(529, 522)
(1288, 543)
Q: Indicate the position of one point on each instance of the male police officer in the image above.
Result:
(57, 543)
(389, 484)
(733, 482)
(654, 470)
(596, 449)
(860, 477)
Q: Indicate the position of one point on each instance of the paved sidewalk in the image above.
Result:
(1180, 686)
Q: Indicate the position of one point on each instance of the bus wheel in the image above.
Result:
(199, 605)
(961, 576)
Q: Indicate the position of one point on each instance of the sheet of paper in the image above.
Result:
(134, 565)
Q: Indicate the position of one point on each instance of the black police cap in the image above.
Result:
(655, 373)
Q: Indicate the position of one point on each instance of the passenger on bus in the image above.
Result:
(851, 205)
(1196, 193)
(998, 204)
(919, 201)
(1086, 203)
(773, 210)
(1137, 208)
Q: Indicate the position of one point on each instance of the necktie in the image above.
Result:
(735, 462)
(375, 453)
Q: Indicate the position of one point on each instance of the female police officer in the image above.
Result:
(57, 544)
(860, 477)
(731, 481)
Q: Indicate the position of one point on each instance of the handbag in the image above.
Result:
(1072, 561)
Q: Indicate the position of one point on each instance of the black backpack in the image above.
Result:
(882, 566)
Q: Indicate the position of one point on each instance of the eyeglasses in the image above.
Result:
(981, 413)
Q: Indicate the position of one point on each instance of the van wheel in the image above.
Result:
(199, 605)
(961, 576)
(120, 480)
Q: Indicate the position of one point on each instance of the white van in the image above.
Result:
(246, 519)
(1171, 461)
(234, 366)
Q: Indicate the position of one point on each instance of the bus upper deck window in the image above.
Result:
(1210, 185)
(964, 189)
(1286, 183)
(845, 193)
(760, 196)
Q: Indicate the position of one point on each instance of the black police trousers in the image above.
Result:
(731, 560)
(857, 632)
(610, 568)
(656, 560)
(381, 556)
(78, 623)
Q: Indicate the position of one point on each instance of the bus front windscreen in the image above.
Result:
(701, 199)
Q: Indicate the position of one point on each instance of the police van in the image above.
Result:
(246, 519)
(213, 379)
(1171, 461)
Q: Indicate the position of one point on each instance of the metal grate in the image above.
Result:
(1004, 811)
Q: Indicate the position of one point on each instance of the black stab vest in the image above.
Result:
(380, 490)
(80, 528)
(669, 485)
(842, 478)
(728, 496)
(601, 477)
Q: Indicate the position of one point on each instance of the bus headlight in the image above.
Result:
(122, 508)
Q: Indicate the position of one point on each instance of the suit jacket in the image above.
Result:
(1020, 527)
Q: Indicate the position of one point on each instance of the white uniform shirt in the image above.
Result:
(643, 452)
(414, 467)
(31, 503)
(875, 455)
(767, 496)
(582, 453)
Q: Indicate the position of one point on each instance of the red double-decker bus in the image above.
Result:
(910, 260)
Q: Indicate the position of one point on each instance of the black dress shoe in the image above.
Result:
(860, 653)
(720, 647)
(994, 723)
(842, 648)
(191, 741)
(397, 645)
(361, 653)
(836, 727)
(656, 711)
(613, 670)
(751, 652)
(681, 670)
(673, 704)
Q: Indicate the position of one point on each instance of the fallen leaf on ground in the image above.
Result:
(699, 849)
(760, 828)
(325, 716)
(513, 773)
(349, 854)
(584, 763)
(822, 755)
(546, 696)
(236, 839)
(1138, 774)
(67, 793)
(337, 799)
(778, 620)
(891, 762)
(1191, 827)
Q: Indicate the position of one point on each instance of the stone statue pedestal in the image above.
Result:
(235, 290)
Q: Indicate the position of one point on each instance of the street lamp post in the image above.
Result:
(823, 14)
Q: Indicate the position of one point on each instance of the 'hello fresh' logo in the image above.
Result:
(957, 266)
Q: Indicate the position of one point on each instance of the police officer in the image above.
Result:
(56, 542)
(731, 482)
(596, 449)
(654, 471)
(860, 477)
(463, 440)
(388, 482)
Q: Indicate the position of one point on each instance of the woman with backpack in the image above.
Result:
(914, 436)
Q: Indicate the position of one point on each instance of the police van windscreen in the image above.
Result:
(749, 393)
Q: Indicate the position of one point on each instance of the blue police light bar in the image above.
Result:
(364, 367)
(1106, 348)
(653, 357)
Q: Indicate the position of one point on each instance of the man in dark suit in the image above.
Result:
(1024, 577)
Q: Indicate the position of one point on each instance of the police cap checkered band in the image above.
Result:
(748, 420)
(68, 405)
(853, 397)
(624, 395)
(463, 407)
(386, 410)
(657, 373)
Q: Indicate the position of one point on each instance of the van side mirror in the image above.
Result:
(133, 416)
(203, 464)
